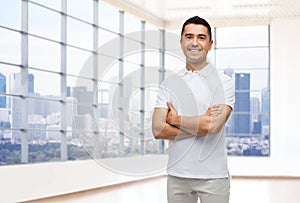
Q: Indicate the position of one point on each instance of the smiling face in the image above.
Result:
(195, 43)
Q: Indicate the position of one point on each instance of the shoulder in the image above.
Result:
(224, 77)
(172, 78)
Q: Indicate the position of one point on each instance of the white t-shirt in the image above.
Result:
(191, 93)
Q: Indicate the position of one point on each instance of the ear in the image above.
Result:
(180, 41)
(211, 44)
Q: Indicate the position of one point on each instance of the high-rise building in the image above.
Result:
(15, 83)
(103, 103)
(30, 83)
(242, 103)
(229, 72)
(15, 88)
(84, 98)
(265, 107)
(2, 91)
(255, 118)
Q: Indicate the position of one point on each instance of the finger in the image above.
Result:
(215, 106)
(170, 106)
(215, 112)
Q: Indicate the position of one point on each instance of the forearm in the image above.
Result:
(169, 132)
(202, 125)
(162, 130)
(195, 125)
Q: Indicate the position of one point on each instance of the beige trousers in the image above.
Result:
(188, 190)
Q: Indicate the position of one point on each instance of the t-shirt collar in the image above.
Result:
(203, 72)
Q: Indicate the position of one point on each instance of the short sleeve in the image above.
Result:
(162, 97)
(229, 90)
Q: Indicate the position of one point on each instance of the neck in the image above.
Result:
(195, 67)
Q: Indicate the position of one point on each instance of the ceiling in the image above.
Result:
(171, 13)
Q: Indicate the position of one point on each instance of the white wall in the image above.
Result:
(34, 181)
(285, 106)
(23, 182)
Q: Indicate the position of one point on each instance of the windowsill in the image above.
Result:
(41, 180)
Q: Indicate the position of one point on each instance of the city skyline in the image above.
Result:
(252, 119)
(55, 105)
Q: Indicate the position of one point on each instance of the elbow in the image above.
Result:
(209, 128)
(156, 135)
(205, 126)
(156, 131)
(214, 129)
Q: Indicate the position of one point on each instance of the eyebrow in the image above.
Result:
(190, 34)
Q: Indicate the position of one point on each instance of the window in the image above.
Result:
(243, 53)
(65, 104)
(89, 91)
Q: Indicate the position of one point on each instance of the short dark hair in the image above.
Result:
(199, 21)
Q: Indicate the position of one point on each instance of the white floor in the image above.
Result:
(154, 191)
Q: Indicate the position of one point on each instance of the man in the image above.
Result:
(191, 110)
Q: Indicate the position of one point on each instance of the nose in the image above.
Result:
(194, 42)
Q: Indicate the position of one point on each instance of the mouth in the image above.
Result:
(195, 50)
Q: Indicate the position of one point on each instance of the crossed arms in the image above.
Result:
(167, 124)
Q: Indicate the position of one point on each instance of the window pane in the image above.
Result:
(44, 22)
(5, 119)
(86, 140)
(106, 92)
(152, 38)
(10, 46)
(109, 50)
(10, 149)
(81, 9)
(173, 63)
(43, 115)
(45, 152)
(109, 70)
(243, 58)
(132, 25)
(72, 110)
(150, 26)
(6, 83)
(16, 116)
(82, 96)
(79, 62)
(242, 36)
(106, 39)
(6, 114)
(76, 151)
(152, 58)
(79, 34)
(132, 52)
(76, 85)
(41, 87)
(131, 72)
(108, 17)
(10, 14)
(41, 57)
(55, 4)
